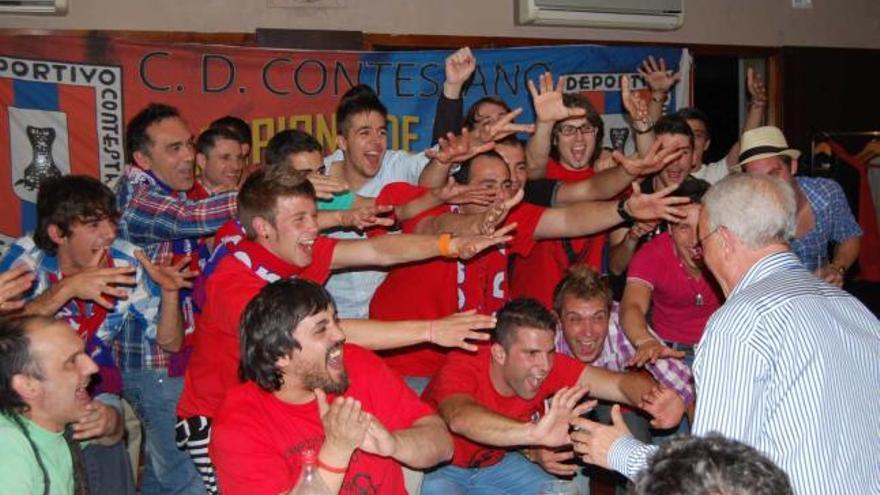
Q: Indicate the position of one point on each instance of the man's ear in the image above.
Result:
(26, 386)
(706, 146)
(142, 160)
(55, 234)
(201, 161)
(727, 240)
(262, 227)
(499, 355)
(341, 143)
(794, 167)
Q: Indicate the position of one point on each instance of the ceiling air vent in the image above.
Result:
(44, 7)
(661, 15)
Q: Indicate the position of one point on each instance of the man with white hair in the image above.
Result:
(776, 357)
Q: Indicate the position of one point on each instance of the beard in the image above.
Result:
(317, 376)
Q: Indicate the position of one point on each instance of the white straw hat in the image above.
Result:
(764, 142)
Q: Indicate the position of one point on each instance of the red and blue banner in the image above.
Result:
(64, 100)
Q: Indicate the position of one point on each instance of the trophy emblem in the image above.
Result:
(42, 165)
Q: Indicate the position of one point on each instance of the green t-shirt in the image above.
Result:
(19, 470)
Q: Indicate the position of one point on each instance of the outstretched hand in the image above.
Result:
(14, 283)
(636, 107)
(757, 90)
(547, 100)
(650, 351)
(592, 440)
(654, 160)
(457, 330)
(658, 78)
(168, 277)
(552, 429)
(496, 213)
(459, 67)
(468, 246)
(456, 149)
(656, 206)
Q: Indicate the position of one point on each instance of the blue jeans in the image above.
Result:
(514, 475)
(167, 470)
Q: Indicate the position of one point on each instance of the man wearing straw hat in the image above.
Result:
(823, 214)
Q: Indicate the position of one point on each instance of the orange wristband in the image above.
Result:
(329, 468)
(443, 245)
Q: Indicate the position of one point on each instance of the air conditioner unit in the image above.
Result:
(46, 7)
(661, 15)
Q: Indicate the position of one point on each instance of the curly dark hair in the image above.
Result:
(268, 326)
(63, 201)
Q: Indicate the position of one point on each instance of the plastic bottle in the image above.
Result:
(310, 482)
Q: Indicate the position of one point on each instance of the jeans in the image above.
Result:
(167, 470)
(514, 475)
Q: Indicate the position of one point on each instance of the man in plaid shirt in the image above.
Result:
(164, 215)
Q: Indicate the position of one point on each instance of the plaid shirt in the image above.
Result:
(165, 224)
(133, 319)
(617, 350)
(162, 221)
(834, 221)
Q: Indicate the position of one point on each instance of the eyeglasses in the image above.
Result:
(570, 130)
(710, 234)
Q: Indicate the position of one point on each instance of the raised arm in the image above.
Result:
(549, 109)
(640, 117)
(754, 117)
(660, 81)
(459, 67)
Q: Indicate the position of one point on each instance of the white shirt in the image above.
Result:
(353, 289)
(791, 366)
(713, 172)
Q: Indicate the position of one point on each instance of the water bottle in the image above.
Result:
(310, 482)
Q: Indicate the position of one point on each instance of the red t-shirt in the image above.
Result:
(536, 274)
(213, 367)
(257, 440)
(440, 287)
(469, 375)
(676, 316)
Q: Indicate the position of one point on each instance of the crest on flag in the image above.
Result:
(56, 118)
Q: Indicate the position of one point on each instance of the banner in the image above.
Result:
(64, 101)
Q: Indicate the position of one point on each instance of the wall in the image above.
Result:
(830, 23)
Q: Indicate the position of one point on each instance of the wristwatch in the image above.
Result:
(646, 126)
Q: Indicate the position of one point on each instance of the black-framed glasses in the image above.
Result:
(570, 130)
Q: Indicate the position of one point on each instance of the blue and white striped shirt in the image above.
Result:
(791, 366)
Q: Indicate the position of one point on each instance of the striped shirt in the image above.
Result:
(133, 318)
(789, 365)
(617, 350)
